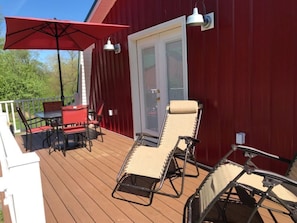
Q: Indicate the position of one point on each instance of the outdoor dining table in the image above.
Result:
(54, 117)
(55, 114)
(49, 115)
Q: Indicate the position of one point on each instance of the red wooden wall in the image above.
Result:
(244, 71)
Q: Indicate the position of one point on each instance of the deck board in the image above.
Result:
(78, 187)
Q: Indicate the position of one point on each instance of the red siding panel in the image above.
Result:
(244, 71)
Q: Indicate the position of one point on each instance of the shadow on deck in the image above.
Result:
(78, 187)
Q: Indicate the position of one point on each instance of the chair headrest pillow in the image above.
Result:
(183, 106)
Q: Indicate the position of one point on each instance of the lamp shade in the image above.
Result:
(195, 19)
(108, 45)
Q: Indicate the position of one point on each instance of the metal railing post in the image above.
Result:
(28, 106)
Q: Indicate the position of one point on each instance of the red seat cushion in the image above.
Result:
(40, 129)
(74, 129)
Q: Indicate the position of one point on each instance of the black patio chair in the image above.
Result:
(234, 192)
(34, 126)
(75, 122)
(49, 106)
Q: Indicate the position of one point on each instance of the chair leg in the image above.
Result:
(52, 146)
(31, 135)
(26, 143)
(98, 133)
(47, 139)
(65, 140)
(87, 138)
(95, 128)
(101, 133)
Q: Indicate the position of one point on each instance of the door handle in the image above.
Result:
(155, 91)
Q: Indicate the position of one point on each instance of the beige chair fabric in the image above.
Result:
(182, 119)
(226, 173)
(227, 176)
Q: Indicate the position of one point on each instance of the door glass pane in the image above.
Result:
(150, 88)
(174, 61)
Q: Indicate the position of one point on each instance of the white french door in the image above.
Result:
(161, 71)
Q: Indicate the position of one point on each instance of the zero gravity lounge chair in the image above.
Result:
(145, 168)
(237, 193)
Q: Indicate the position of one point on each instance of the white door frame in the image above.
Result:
(134, 77)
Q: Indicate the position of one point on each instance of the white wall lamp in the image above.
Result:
(112, 47)
(206, 21)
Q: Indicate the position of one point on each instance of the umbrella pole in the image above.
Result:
(60, 77)
(59, 64)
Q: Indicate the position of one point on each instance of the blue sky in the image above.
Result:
(61, 9)
(76, 10)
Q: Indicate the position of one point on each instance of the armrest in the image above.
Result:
(33, 121)
(273, 179)
(253, 152)
(189, 139)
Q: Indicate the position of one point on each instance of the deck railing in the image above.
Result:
(21, 179)
(29, 108)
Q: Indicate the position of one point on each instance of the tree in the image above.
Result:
(24, 76)
(69, 67)
(21, 76)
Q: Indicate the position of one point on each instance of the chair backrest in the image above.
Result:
(100, 110)
(52, 106)
(74, 114)
(216, 182)
(24, 120)
(182, 119)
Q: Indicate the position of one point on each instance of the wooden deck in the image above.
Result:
(78, 187)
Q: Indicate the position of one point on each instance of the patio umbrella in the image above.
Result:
(34, 33)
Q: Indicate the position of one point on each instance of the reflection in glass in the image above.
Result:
(150, 88)
(174, 61)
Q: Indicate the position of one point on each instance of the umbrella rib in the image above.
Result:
(35, 29)
(79, 31)
(71, 35)
(52, 32)
(66, 31)
(87, 34)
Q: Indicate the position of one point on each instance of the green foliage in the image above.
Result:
(69, 67)
(22, 76)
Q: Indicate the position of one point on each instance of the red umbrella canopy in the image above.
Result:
(33, 33)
